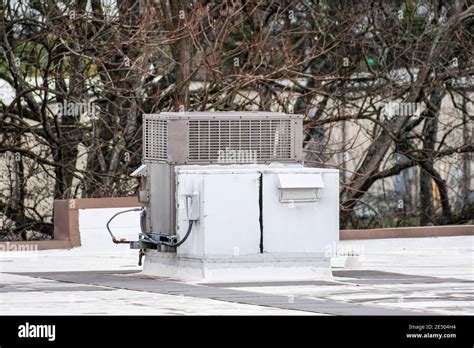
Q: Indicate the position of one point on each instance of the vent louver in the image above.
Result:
(201, 138)
(267, 139)
(155, 139)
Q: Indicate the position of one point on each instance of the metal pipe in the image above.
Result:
(115, 240)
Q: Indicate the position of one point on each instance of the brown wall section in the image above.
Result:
(61, 220)
(67, 234)
(115, 202)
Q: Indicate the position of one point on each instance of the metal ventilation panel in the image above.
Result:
(155, 139)
(222, 137)
(259, 140)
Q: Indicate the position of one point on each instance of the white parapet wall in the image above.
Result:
(96, 238)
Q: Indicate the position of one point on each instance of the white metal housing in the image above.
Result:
(232, 205)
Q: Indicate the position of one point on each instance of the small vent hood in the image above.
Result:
(299, 187)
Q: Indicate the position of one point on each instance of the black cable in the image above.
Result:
(188, 232)
(190, 226)
(142, 220)
(174, 245)
(113, 217)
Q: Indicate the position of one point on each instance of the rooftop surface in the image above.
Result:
(389, 277)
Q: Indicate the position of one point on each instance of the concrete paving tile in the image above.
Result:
(398, 277)
(221, 294)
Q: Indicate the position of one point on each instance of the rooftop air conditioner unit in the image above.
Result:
(203, 138)
(225, 193)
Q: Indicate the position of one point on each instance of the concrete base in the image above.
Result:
(257, 267)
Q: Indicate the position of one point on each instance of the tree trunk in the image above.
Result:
(466, 158)
(426, 199)
(430, 128)
(182, 52)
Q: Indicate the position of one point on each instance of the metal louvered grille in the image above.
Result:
(264, 140)
(155, 139)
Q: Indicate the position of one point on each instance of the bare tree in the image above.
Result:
(81, 74)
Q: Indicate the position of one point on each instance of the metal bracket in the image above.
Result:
(153, 240)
